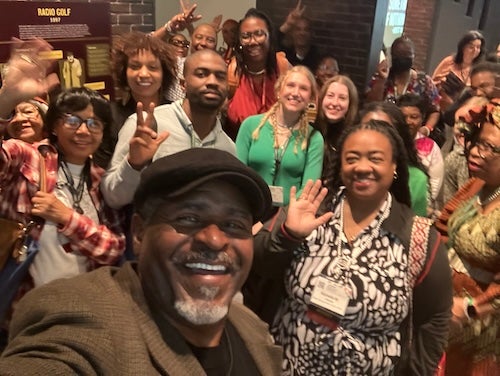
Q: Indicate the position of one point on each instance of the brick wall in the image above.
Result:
(342, 28)
(128, 15)
(418, 27)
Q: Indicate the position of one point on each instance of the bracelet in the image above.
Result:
(168, 26)
(469, 308)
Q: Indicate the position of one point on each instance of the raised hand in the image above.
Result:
(216, 22)
(383, 69)
(145, 141)
(296, 13)
(301, 216)
(25, 74)
(182, 20)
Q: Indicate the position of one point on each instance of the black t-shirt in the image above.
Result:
(231, 357)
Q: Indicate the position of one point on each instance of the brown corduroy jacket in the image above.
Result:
(99, 324)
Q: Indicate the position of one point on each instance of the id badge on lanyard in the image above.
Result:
(330, 296)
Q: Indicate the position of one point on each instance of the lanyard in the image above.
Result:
(278, 157)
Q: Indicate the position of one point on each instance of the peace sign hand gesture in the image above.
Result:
(145, 141)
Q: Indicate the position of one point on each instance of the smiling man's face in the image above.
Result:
(195, 252)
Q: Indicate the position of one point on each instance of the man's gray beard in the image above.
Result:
(202, 311)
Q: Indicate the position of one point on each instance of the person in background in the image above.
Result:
(453, 73)
(353, 241)
(204, 36)
(143, 68)
(253, 72)
(298, 28)
(280, 144)
(418, 180)
(471, 223)
(188, 123)
(230, 37)
(414, 110)
(456, 166)
(389, 84)
(181, 44)
(327, 68)
(338, 108)
(172, 312)
(28, 121)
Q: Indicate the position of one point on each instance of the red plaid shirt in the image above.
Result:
(103, 243)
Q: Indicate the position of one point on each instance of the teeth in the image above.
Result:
(202, 266)
(144, 83)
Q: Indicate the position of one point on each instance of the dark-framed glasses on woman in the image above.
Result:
(74, 122)
(259, 36)
(486, 150)
(180, 43)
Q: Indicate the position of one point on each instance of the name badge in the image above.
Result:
(277, 195)
(329, 297)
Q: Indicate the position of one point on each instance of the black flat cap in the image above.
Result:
(181, 172)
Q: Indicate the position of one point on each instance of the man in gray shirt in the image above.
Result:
(167, 129)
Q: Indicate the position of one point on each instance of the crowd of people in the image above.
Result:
(228, 187)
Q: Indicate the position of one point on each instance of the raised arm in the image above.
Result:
(25, 75)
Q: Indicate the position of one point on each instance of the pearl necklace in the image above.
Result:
(490, 198)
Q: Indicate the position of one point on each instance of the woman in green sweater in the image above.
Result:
(280, 145)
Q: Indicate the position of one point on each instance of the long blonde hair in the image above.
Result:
(303, 120)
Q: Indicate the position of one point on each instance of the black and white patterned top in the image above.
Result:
(367, 340)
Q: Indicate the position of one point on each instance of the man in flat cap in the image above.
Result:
(172, 312)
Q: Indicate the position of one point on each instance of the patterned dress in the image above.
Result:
(367, 340)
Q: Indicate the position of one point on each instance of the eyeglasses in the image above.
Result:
(74, 122)
(180, 43)
(27, 112)
(485, 149)
(259, 36)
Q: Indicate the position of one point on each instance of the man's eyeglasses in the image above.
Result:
(180, 43)
(259, 36)
(74, 122)
(27, 112)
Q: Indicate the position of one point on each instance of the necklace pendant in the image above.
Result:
(78, 208)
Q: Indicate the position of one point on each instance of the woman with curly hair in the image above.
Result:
(144, 67)
(280, 144)
(253, 71)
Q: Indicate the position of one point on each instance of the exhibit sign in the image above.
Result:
(79, 32)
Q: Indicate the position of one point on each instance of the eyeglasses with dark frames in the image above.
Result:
(259, 36)
(180, 43)
(485, 149)
(74, 122)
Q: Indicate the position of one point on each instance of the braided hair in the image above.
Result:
(303, 119)
(399, 187)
